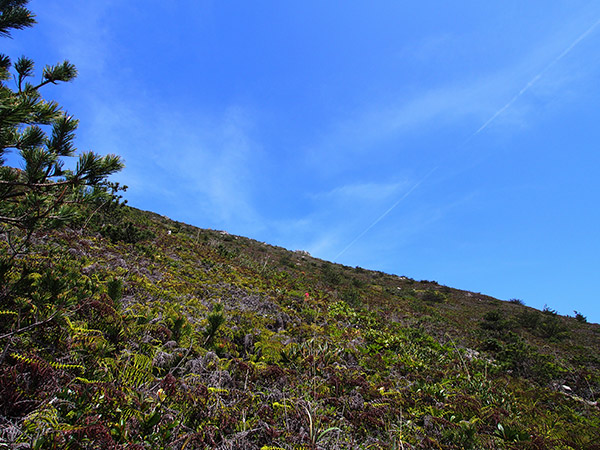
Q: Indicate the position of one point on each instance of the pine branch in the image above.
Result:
(14, 15)
(36, 185)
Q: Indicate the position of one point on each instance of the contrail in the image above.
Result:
(535, 80)
(528, 86)
(390, 209)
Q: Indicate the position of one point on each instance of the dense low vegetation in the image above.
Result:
(139, 332)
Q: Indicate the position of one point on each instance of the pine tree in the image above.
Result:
(13, 14)
(41, 194)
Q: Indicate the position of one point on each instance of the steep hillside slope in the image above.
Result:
(140, 332)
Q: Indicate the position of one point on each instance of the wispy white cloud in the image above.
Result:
(190, 164)
(385, 213)
(80, 33)
(360, 192)
(215, 169)
(333, 216)
(473, 103)
(382, 120)
(537, 77)
(206, 164)
(468, 103)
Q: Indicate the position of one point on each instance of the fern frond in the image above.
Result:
(218, 391)
(129, 412)
(83, 330)
(110, 369)
(53, 364)
(44, 422)
(138, 371)
(45, 418)
(63, 366)
(86, 381)
(22, 358)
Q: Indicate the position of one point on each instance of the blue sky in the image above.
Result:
(449, 141)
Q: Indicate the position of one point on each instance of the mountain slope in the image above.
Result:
(141, 332)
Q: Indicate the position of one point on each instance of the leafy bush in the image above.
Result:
(493, 320)
(492, 316)
(551, 327)
(529, 319)
(287, 260)
(330, 274)
(525, 361)
(351, 297)
(126, 232)
(358, 283)
(492, 345)
(433, 296)
(215, 319)
(114, 289)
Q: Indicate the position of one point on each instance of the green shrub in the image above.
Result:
(330, 274)
(351, 297)
(114, 289)
(493, 320)
(286, 260)
(215, 319)
(433, 296)
(492, 316)
(526, 361)
(529, 319)
(492, 345)
(126, 232)
(358, 283)
(551, 328)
